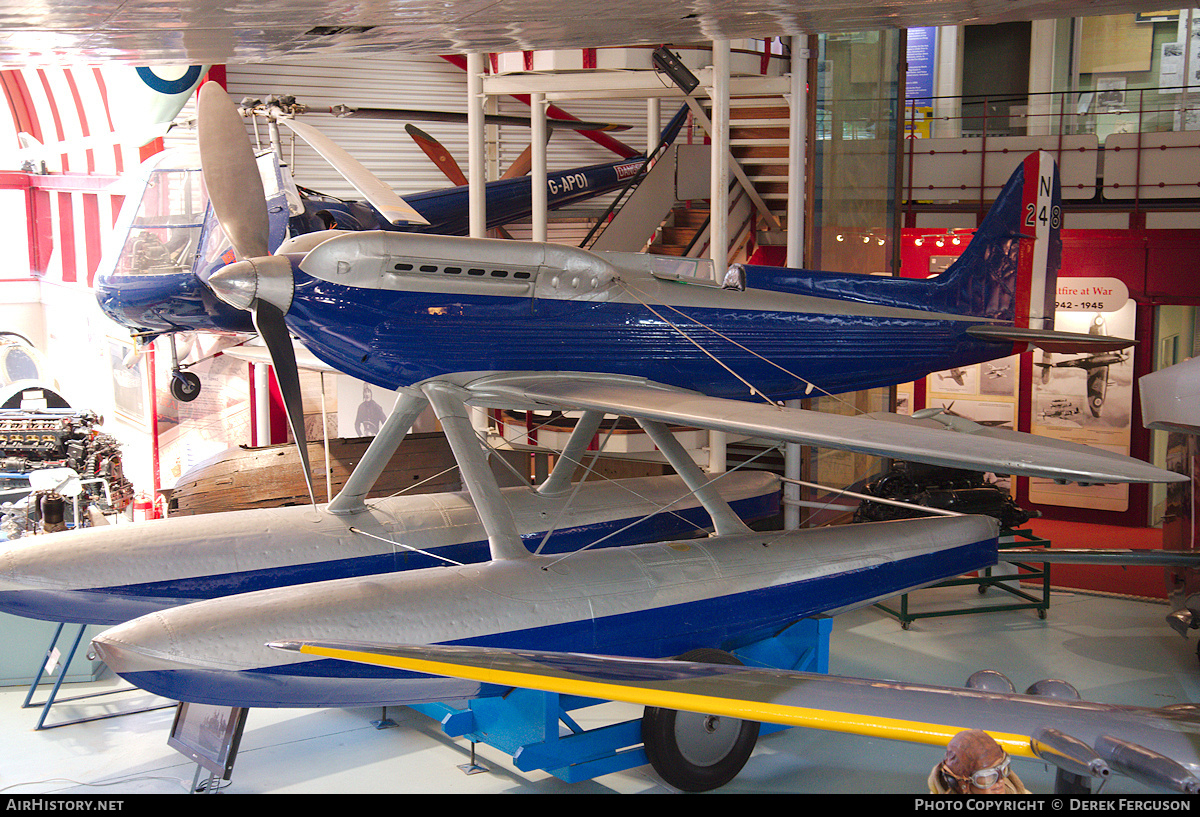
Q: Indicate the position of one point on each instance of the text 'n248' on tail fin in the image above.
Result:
(1009, 271)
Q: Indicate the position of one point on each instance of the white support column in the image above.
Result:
(476, 174)
(537, 106)
(476, 161)
(947, 105)
(797, 155)
(653, 123)
(262, 403)
(797, 158)
(1187, 22)
(1041, 78)
(719, 224)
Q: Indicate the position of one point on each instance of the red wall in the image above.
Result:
(1148, 582)
(1159, 267)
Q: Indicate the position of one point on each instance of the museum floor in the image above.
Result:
(1113, 650)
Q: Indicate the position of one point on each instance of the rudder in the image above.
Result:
(1009, 271)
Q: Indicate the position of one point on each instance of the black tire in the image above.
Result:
(185, 386)
(695, 752)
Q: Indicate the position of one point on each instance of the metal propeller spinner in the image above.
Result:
(258, 281)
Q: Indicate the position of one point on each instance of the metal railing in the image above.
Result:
(1127, 149)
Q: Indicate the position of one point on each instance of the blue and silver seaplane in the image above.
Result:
(453, 323)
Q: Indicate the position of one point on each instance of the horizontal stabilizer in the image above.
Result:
(1171, 398)
(1049, 340)
(967, 445)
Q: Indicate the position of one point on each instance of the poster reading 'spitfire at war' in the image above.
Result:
(1086, 398)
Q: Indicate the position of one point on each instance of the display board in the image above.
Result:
(1086, 399)
(1079, 398)
(209, 735)
(363, 408)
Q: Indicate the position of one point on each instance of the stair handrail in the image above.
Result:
(665, 140)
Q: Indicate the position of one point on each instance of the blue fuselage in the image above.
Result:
(396, 338)
(165, 301)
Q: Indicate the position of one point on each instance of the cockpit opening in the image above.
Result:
(166, 229)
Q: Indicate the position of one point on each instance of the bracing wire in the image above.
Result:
(666, 508)
(394, 543)
(634, 293)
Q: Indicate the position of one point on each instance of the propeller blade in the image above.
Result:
(520, 165)
(440, 156)
(268, 320)
(259, 281)
(381, 197)
(231, 172)
(408, 114)
(437, 154)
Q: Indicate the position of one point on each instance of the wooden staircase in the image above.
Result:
(758, 138)
(680, 228)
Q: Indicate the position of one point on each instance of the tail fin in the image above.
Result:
(1009, 271)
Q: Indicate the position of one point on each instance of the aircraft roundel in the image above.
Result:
(163, 85)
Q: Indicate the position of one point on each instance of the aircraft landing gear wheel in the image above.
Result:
(185, 386)
(695, 752)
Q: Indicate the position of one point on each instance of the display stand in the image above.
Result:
(525, 724)
(209, 735)
(985, 580)
(53, 698)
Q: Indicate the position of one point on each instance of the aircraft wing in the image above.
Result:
(1083, 737)
(960, 444)
(1169, 397)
